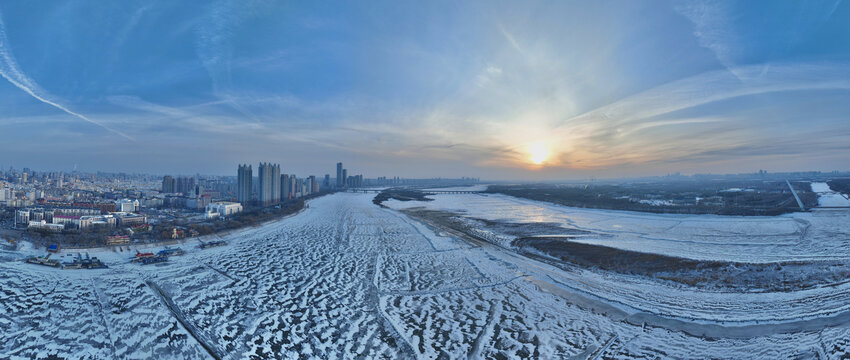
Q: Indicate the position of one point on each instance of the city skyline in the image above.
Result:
(198, 175)
(537, 91)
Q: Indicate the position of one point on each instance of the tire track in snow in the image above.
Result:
(605, 347)
(486, 333)
(189, 327)
(98, 296)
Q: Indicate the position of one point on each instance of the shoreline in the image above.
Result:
(618, 311)
(36, 244)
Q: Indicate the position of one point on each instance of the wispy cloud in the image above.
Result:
(665, 123)
(10, 71)
(604, 86)
(510, 38)
(610, 132)
(215, 49)
(722, 27)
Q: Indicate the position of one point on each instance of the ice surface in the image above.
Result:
(827, 197)
(347, 279)
(796, 236)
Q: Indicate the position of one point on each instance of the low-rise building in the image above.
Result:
(99, 220)
(67, 220)
(127, 205)
(117, 240)
(129, 219)
(42, 224)
(85, 221)
(223, 208)
(77, 211)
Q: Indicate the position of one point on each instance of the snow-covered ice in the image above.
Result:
(347, 279)
(790, 237)
(827, 197)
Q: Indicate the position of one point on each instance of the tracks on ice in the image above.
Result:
(450, 290)
(104, 317)
(487, 332)
(188, 326)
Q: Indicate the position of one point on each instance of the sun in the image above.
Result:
(538, 152)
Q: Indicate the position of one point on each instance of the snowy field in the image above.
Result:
(347, 279)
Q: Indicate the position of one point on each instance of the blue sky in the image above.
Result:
(433, 88)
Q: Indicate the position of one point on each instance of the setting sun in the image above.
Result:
(539, 153)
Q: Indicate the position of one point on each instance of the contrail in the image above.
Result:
(10, 71)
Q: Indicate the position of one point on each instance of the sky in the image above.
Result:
(501, 90)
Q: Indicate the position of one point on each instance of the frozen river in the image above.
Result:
(347, 279)
(827, 197)
(792, 237)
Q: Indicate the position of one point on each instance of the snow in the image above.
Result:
(347, 279)
(792, 237)
(827, 197)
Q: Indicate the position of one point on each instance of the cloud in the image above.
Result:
(603, 87)
(10, 71)
(215, 49)
(491, 73)
(739, 33)
(713, 29)
(617, 133)
(214, 37)
(715, 86)
(510, 38)
(663, 124)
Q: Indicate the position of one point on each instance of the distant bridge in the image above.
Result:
(424, 191)
(799, 202)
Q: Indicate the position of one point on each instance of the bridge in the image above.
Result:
(452, 192)
(799, 202)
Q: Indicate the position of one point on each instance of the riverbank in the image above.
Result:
(160, 234)
(762, 198)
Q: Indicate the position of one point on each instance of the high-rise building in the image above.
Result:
(168, 184)
(185, 185)
(299, 187)
(354, 181)
(244, 184)
(327, 183)
(314, 185)
(285, 188)
(339, 177)
(269, 175)
(344, 176)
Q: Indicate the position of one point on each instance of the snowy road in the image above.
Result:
(347, 279)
